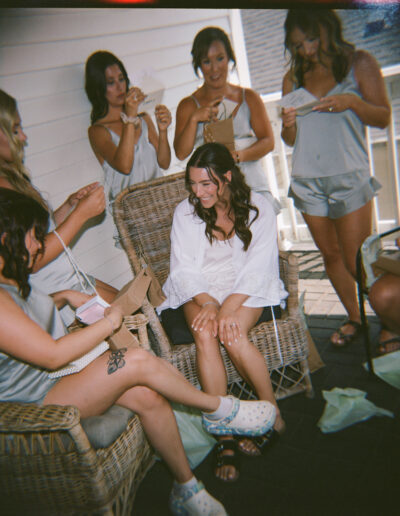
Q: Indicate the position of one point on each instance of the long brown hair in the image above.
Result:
(310, 22)
(217, 160)
(15, 171)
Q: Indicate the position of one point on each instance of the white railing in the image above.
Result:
(384, 164)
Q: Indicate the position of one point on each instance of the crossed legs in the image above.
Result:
(141, 382)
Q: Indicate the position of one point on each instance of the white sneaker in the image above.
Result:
(195, 501)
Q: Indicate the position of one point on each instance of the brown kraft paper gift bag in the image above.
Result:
(220, 132)
(129, 299)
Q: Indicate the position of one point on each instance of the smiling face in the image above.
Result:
(215, 65)
(115, 86)
(18, 134)
(209, 191)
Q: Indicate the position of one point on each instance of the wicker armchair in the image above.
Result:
(49, 466)
(143, 215)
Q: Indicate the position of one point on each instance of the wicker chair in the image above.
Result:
(49, 466)
(143, 215)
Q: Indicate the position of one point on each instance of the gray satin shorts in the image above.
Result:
(333, 196)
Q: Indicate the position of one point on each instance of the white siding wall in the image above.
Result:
(42, 56)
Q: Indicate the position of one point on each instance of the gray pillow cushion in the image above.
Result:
(103, 430)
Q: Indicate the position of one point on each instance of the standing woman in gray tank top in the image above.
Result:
(126, 142)
(331, 183)
(212, 54)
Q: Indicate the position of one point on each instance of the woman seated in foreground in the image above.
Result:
(140, 382)
(224, 278)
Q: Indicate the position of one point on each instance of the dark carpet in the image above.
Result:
(348, 473)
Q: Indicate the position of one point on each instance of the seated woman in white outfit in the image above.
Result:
(224, 270)
(124, 140)
(137, 380)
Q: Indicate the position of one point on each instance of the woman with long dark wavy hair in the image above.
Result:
(33, 341)
(331, 183)
(224, 279)
(125, 141)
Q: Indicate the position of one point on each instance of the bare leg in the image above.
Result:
(338, 240)
(250, 363)
(210, 366)
(136, 372)
(107, 292)
(384, 296)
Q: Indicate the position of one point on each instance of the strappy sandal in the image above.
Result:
(222, 459)
(347, 338)
(262, 442)
(389, 345)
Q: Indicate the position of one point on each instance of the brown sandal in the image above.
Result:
(223, 459)
(389, 345)
(347, 338)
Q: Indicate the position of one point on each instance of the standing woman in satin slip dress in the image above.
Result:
(125, 142)
(331, 183)
(211, 53)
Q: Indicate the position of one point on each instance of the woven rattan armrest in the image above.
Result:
(24, 417)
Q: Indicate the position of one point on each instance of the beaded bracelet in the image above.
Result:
(129, 119)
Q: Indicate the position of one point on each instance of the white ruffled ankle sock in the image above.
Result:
(181, 488)
(223, 410)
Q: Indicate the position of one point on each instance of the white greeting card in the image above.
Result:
(91, 311)
(301, 99)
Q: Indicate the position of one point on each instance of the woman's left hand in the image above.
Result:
(74, 298)
(229, 330)
(335, 103)
(163, 117)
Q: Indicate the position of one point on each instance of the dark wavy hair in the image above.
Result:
(216, 159)
(310, 21)
(95, 81)
(18, 214)
(204, 40)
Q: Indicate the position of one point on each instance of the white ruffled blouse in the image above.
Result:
(256, 270)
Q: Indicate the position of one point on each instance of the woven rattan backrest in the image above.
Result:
(143, 215)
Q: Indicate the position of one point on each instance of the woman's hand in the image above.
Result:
(115, 316)
(229, 330)
(163, 117)
(207, 113)
(133, 98)
(74, 298)
(75, 197)
(288, 117)
(91, 204)
(335, 103)
(209, 312)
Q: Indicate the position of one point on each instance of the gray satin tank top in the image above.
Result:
(23, 382)
(144, 168)
(244, 136)
(330, 144)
